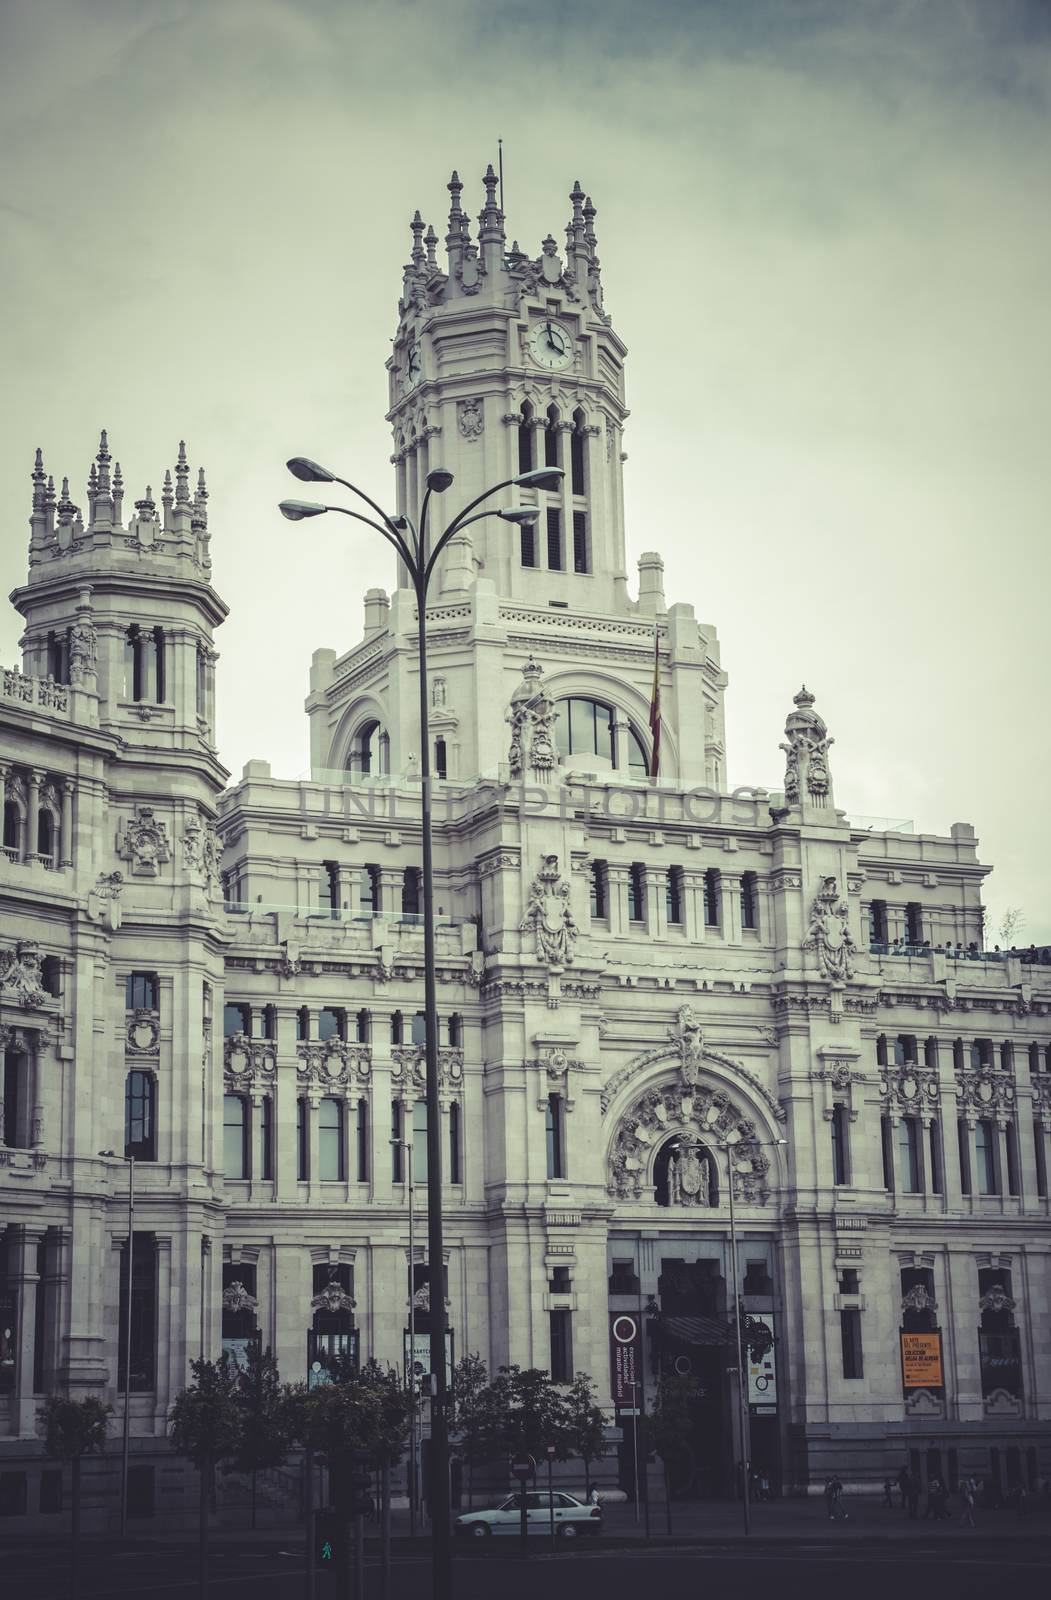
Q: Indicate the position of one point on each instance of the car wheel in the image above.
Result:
(480, 1530)
(568, 1531)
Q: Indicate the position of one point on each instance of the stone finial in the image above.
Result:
(590, 213)
(182, 476)
(65, 508)
(103, 458)
(418, 254)
(576, 198)
(146, 507)
(39, 478)
(807, 778)
(49, 493)
(199, 517)
(118, 491)
(455, 188)
(431, 241)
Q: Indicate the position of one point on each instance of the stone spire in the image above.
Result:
(491, 226)
(118, 494)
(182, 477)
(166, 500)
(418, 254)
(807, 778)
(431, 241)
(454, 239)
(100, 495)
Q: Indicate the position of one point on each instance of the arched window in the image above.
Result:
(525, 438)
(45, 835)
(577, 453)
(140, 1096)
(552, 438)
(58, 655)
(369, 751)
(585, 727)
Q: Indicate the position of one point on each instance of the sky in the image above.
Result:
(826, 239)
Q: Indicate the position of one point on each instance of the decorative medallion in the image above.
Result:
(549, 917)
(143, 1033)
(145, 843)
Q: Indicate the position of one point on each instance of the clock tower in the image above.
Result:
(503, 362)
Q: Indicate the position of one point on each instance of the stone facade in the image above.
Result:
(648, 987)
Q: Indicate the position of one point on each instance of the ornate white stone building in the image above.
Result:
(640, 980)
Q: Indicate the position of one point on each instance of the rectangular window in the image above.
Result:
(554, 539)
(363, 1027)
(527, 543)
(419, 1143)
(964, 1144)
(143, 1313)
(1011, 1146)
(330, 1140)
(12, 1494)
(302, 1023)
(551, 447)
(269, 1023)
(935, 1146)
(419, 1028)
(264, 1130)
(302, 1139)
(930, 1053)
(909, 1154)
(888, 1153)
(410, 889)
(363, 1141)
(878, 922)
(850, 1334)
(576, 462)
(561, 1346)
(599, 881)
(331, 885)
(637, 892)
(140, 1092)
(556, 1163)
(141, 991)
(749, 902)
(1041, 1158)
(580, 543)
(454, 1142)
(985, 1156)
(711, 898)
(332, 1023)
(237, 1018)
(913, 923)
(371, 894)
(673, 895)
(40, 1320)
(840, 1162)
(235, 1136)
(525, 447)
(396, 1143)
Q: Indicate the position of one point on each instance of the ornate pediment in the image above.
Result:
(685, 1045)
(701, 1113)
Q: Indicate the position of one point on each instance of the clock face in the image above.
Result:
(413, 367)
(551, 345)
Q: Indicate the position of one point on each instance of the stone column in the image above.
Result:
(286, 1106)
(26, 1284)
(31, 824)
(65, 858)
(617, 892)
(730, 907)
(621, 732)
(391, 883)
(693, 905)
(4, 771)
(656, 903)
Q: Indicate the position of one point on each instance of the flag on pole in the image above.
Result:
(655, 705)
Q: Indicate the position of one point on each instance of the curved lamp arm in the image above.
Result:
(368, 501)
(393, 537)
(457, 526)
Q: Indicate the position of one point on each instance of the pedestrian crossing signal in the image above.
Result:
(330, 1539)
(326, 1550)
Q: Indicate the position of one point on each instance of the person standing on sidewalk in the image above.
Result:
(967, 1491)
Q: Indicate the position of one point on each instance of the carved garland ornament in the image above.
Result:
(409, 1065)
(20, 971)
(701, 1113)
(985, 1088)
(910, 1087)
(246, 1060)
(333, 1063)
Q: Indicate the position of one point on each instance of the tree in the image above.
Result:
(671, 1426)
(475, 1420)
(530, 1411)
(205, 1427)
(585, 1425)
(264, 1439)
(1011, 924)
(73, 1429)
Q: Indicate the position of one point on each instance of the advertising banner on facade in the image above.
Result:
(423, 1355)
(762, 1373)
(921, 1360)
(625, 1360)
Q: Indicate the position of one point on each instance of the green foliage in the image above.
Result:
(366, 1411)
(670, 1423)
(205, 1421)
(263, 1439)
(585, 1421)
(73, 1428)
(529, 1411)
(477, 1417)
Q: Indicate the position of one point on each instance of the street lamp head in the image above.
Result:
(296, 510)
(438, 480)
(549, 478)
(309, 471)
(108, 1153)
(522, 515)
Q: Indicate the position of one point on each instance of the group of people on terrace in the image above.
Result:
(1034, 955)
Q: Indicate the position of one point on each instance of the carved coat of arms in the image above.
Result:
(549, 917)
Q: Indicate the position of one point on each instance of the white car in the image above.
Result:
(572, 1517)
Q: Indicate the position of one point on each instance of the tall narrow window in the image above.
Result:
(909, 1154)
(419, 1027)
(887, 1150)
(554, 539)
(985, 1156)
(964, 1144)
(599, 906)
(303, 1023)
(331, 885)
(878, 922)
(455, 1031)
(561, 1346)
(934, 1141)
(263, 1165)
(58, 655)
(397, 1142)
(711, 898)
(1011, 1148)
(577, 452)
(140, 1138)
(930, 1052)
(143, 1313)
(330, 1139)
(454, 1142)
(410, 891)
(556, 1162)
(551, 438)
(237, 1018)
(419, 1142)
(268, 1022)
(158, 664)
(637, 892)
(850, 1335)
(302, 1139)
(371, 894)
(840, 1157)
(1041, 1158)
(363, 1141)
(141, 991)
(396, 1027)
(525, 439)
(363, 1026)
(441, 759)
(527, 543)
(134, 664)
(235, 1136)
(332, 1023)
(673, 895)
(914, 923)
(749, 901)
(581, 562)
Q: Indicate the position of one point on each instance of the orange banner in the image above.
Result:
(921, 1360)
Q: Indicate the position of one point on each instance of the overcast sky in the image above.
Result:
(826, 238)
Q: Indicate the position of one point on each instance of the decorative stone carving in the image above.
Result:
(686, 1036)
(674, 1049)
(829, 933)
(909, 1087)
(532, 715)
(333, 1299)
(806, 754)
(549, 917)
(985, 1088)
(83, 649)
(202, 850)
(143, 1034)
(20, 971)
(918, 1299)
(409, 1065)
(108, 885)
(237, 1298)
(702, 1113)
(438, 692)
(996, 1298)
(333, 1062)
(144, 843)
(246, 1061)
(689, 1179)
(287, 966)
(470, 415)
(1041, 1091)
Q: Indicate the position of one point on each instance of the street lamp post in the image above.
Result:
(419, 558)
(405, 1145)
(126, 1434)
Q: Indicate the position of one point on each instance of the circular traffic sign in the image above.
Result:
(625, 1329)
(523, 1466)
